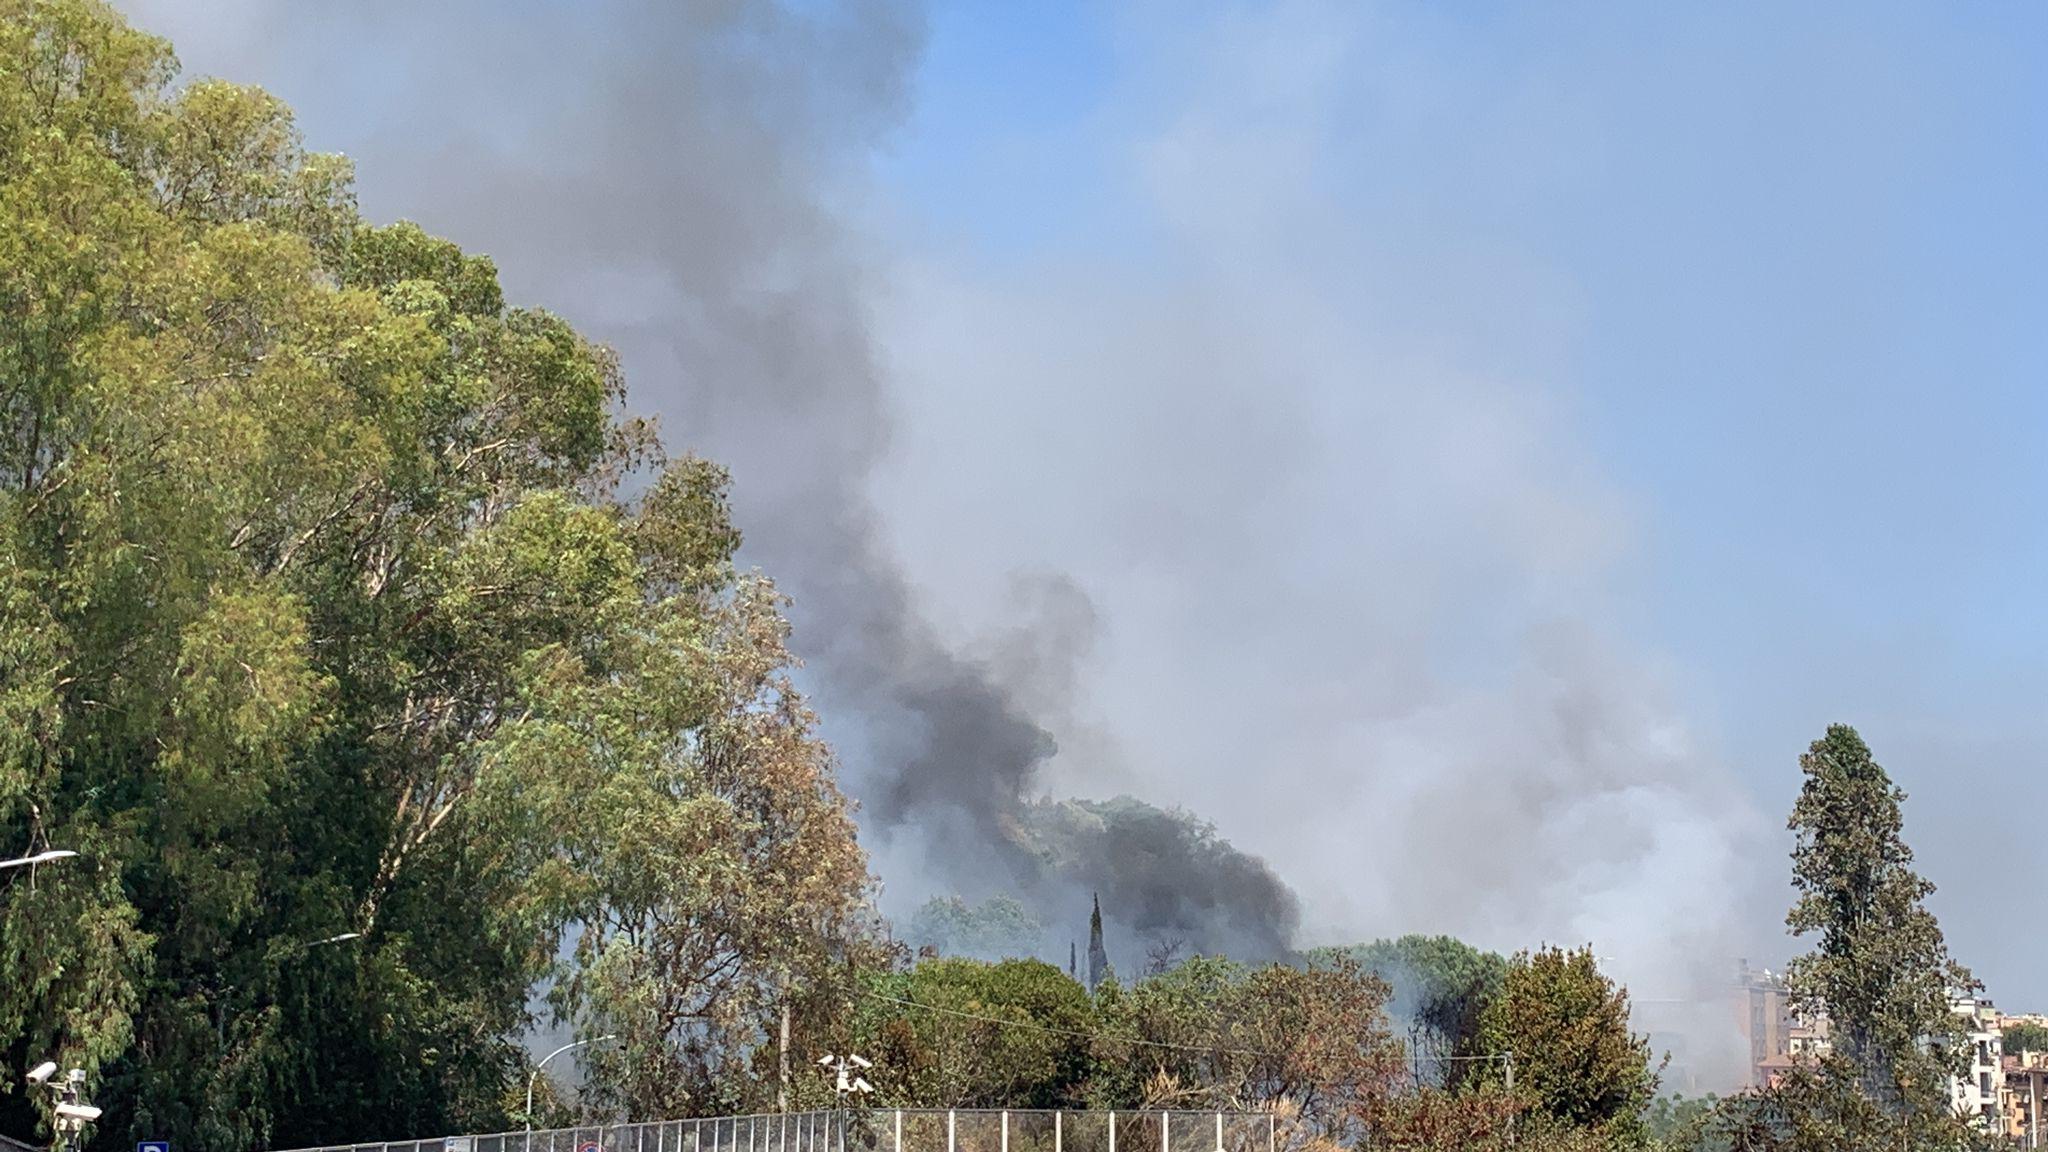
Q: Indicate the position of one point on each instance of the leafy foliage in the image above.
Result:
(1880, 969)
(1567, 1026)
(1441, 985)
(998, 928)
(1208, 1033)
(2026, 1037)
(322, 609)
(1879, 972)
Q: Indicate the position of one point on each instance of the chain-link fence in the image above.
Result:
(887, 1130)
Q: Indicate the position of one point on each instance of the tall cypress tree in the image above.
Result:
(1880, 969)
(1098, 956)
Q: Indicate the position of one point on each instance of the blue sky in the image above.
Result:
(1517, 428)
(1793, 261)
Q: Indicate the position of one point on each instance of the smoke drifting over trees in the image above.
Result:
(1322, 573)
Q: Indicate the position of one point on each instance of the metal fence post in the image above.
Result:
(949, 1131)
(1219, 1132)
(1272, 1131)
(1112, 1130)
(1006, 1130)
(1165, 1137)
(899, 1130)
(1056, 1133)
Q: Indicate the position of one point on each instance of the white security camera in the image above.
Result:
(825, 1061)
(41, 1073)
(861, 1062)
(83, 1113)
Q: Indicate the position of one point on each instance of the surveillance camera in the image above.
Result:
(83, 1113)
(860, 1085)
(861, 1062)
(824, 1061)
(41, 1073)
(78, 1075)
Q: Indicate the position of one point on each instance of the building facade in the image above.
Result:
(1978, 1094)
(1781, 1039)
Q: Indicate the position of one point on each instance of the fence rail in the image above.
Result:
(885, 1130)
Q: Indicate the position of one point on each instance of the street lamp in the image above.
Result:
(851, 1083)
(39, 858)
(849, 1079)
(536, 1076)
(72, 1112)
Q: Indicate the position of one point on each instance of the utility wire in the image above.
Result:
(1078, 1034)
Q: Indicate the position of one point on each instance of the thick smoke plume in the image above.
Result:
(1329, 567)
(659, 173)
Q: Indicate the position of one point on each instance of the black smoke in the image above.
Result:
(664, 175)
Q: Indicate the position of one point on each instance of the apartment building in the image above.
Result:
(1979, 1092)
(1767, 1022)
(2026, 1090)
(1780, 1039)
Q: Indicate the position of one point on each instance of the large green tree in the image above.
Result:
(1879, 973)
(1211, 1033)
(998, 928)
(1880, 970)
(338, 596)
(961, 1033)
(1440, 986)
(2025, 1037)
(1566, 1027)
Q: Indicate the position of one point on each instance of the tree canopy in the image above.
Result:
(1880, 970)
(340, 596)
(1440, 985)
(998, 928)
(1566, 1027)
(2025, 1037)
(1879, 973)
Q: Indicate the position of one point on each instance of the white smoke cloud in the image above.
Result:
(1309, 446)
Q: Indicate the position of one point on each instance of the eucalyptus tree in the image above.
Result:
(337, 595)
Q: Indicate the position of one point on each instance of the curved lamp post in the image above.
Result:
(536, 1076)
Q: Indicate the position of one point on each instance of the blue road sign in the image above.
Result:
(154, 1146)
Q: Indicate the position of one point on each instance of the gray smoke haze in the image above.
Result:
(1326, 564)
(660, 174)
